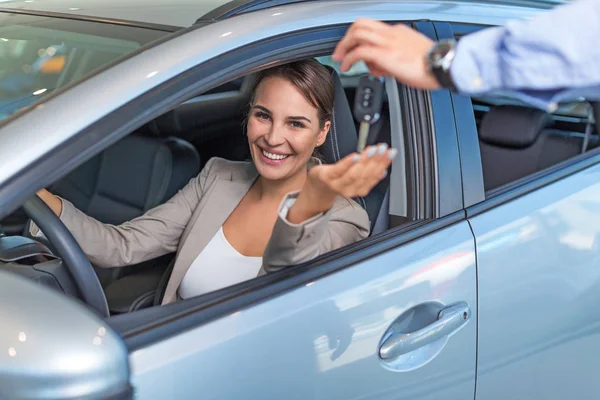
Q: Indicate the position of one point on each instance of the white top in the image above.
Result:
(219, 265)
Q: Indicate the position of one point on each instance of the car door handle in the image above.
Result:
(449, 320)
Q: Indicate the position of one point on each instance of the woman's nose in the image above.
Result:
(275, 136)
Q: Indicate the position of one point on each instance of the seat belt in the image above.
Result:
(588, 130)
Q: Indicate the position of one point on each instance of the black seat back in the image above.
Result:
(129, 178)
(518, 141)
(511, 143)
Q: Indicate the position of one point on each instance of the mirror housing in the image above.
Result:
(52, 347)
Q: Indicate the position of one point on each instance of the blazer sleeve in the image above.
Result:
(151, 235)
(290, 244)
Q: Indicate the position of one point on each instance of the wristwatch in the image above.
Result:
(439, 59)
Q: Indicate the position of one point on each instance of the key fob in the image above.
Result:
(368, 99)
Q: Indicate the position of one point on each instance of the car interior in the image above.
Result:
(517, 141)
(150, 165)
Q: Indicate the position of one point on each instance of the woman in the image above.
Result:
(237, 220)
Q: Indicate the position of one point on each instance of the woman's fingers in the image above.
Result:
(356, 174)
(361, 177)
(374, 171)
(334, 171)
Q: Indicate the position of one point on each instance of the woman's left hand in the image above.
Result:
(353, 176)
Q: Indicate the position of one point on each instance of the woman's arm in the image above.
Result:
(151, 235)
(344, 223)
(355, 175)
(322, 218)
(51, 201)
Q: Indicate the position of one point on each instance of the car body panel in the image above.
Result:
(538, 272)
(42, 360)
(181, 13)
(321, 341)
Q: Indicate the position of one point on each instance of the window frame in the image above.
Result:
(162, 322)
(174, 318)
(474, 193)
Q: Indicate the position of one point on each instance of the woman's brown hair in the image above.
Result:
(310, 77)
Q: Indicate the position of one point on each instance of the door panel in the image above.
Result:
(321, 341)
(539, 293)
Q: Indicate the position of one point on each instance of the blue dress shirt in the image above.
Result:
(552, 58)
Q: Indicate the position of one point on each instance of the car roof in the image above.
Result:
(177, 13)
(172, 14)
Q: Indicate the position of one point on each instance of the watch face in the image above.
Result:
(440, 51)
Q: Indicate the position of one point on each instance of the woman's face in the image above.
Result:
(283, 129)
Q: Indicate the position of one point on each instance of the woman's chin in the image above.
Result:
(273, 172)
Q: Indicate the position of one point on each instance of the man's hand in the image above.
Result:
(354, 175)
(387, 50)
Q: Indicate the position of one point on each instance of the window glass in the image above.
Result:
(517, 141)
(40, 54)
(357, 69)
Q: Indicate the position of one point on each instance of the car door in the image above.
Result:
(393, 316)
(328, 331)
(538, 271)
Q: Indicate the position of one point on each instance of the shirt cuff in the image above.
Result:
(285, 206)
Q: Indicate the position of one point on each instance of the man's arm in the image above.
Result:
(551, 58)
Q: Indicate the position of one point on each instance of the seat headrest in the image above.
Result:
(513, 126)
(342, 138)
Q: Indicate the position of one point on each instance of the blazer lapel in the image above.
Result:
(222, 198)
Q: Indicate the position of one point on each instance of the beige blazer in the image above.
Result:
(188, 221)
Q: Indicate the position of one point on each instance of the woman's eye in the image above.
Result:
(297, 124)
(261, 115)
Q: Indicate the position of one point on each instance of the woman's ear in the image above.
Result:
(322, 136)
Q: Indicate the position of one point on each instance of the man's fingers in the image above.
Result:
(360, 27)
(368, 54)
(357, 37)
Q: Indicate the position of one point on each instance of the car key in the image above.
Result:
(367, 106)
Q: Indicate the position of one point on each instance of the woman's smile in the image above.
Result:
(273, 157)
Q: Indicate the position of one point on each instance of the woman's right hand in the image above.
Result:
(353, 176)
(51, 201)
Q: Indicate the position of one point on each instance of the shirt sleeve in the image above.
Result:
(543, 61)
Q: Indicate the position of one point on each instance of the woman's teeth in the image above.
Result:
(272, 156)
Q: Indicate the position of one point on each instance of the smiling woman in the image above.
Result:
(40, 54)
(237, 220)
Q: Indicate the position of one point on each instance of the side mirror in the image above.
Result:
(52, 347)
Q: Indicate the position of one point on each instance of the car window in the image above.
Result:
(357, 69)
(517, 141)
(40, 54)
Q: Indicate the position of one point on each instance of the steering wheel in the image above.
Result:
(70, 252)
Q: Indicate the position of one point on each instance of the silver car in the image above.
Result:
(481, 278)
